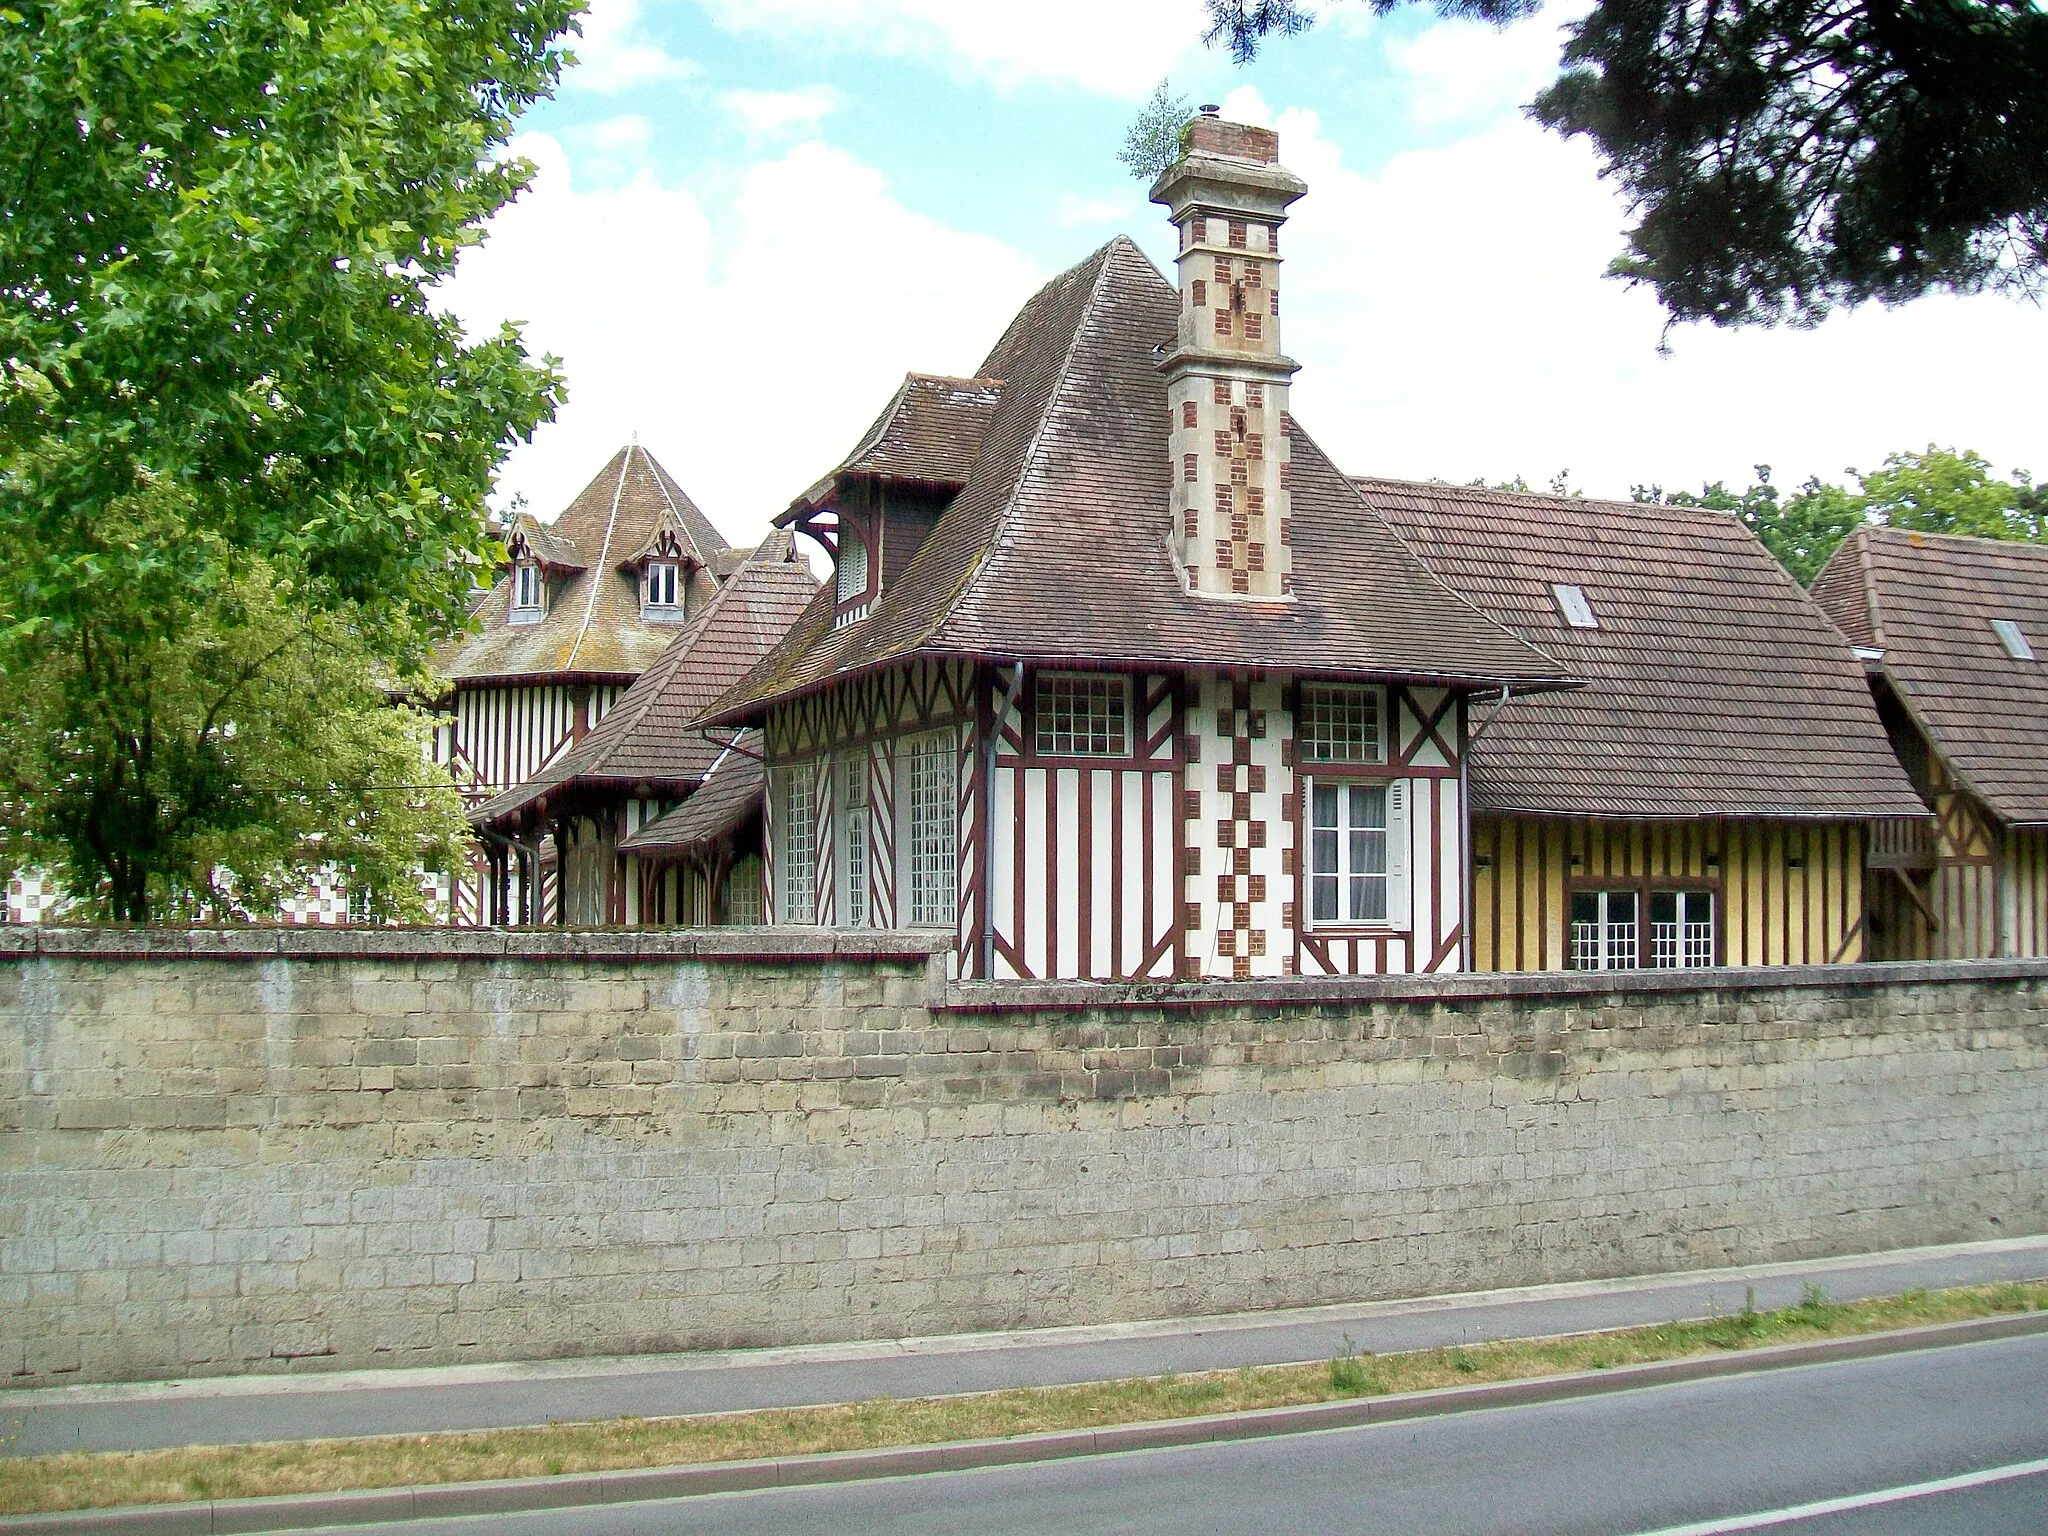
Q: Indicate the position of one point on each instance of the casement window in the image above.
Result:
(1339, 723)
(529, 593)
(852, 800)
(796, 845)
(850, 579)
(660, 592)
(1606, 930)
(1357, 836)
(930, 836)
(1083, 714)
(1681, 929)
(743, 893)
(1624, 929)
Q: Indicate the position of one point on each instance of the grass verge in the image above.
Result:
(51, 1483)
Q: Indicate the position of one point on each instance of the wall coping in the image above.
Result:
(29, 941)
(1080, 996)
(26, 941)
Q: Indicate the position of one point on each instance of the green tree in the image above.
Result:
(1938, 491)
(225, 396)
(1785, 157)
(1153, 141)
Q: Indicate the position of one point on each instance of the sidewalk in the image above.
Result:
(234, 1410)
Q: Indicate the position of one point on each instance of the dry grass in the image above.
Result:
(44, 1483)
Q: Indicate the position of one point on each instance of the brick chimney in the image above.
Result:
(1227, 378)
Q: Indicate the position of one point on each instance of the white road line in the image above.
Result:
(1771, 1517)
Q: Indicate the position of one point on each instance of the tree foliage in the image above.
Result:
(1786, 157)
(1153, 142)
(226, 399)
(1938, 491)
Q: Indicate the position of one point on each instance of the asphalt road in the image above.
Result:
(254, 1408)
(1663, 1459)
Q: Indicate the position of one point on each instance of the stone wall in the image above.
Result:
(238, 1150)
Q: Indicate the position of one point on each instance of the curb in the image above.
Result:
(582, 1489)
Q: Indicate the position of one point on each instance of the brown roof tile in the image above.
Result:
(730, 795)
(1714, 684)
(593, 626)
(1928, 601)
(649, 737)
(1056, 546)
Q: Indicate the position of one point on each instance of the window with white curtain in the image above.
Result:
(930, 841)
(852, 797)
(796, 845)
(1350, 834)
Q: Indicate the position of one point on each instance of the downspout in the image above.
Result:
(988, 848)
(1469, 951)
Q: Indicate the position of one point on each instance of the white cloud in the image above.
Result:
(1118, 49)
(1072, 212)
(770, 114)
(1459, 71)
(614, 54)
(1452, 322)
(742, 342)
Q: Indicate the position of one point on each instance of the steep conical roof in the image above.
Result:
(1057, 545)
(593, 625)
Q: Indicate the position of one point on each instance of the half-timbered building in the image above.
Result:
(1710, 795)
(584, 605)
(700, 864)
(1117, 676)
(645, 755)
(1953, 633)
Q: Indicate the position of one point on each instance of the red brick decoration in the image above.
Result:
(1255, 833)
(1254, 326)
(1254, 446)
(1223, 322)
(1255, 396)
(1201, 293)
(1223, 269)
(1222, 553)
(1286, 533)
(1255, 557)
(1191, 805)
(1189, 468)
(1240, 526)
(1226, 778)
(1191, 524)
(1238, 475)
(1226, 833)
(1226, 889)
(1257, 936)
(1223, 391)
(1276, 303)
(1251, 274)
(1255, 500)
(1223, 443)
(1240, 582)
(1237, 235)
(1257, 775)
(1223, 506)
(1188, 413)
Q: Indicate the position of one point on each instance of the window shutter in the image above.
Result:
(1398, 914)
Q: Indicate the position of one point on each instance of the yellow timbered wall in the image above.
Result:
(1786, 893)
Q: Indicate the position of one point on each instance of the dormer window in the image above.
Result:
(661, 594)
(851, 579)
(529, 593)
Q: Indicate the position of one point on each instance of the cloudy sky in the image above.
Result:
(753, 216)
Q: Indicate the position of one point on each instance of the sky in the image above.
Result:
(752, 217)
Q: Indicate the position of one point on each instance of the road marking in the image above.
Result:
(1786, 1516)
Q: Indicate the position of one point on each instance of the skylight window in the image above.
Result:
(1571, 602)
(2013, 638)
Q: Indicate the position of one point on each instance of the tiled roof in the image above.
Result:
(1056, 546)
(730, 795)
(1928, 601)
(1715, 686)
(592, 627)
(648, 738)
(928, 433)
